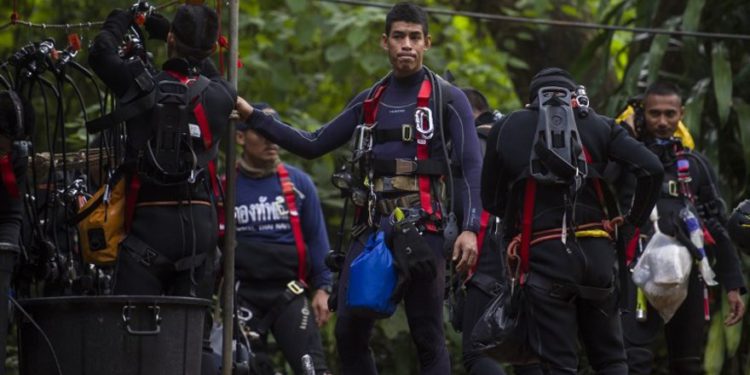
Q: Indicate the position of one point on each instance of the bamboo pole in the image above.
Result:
(230, 224)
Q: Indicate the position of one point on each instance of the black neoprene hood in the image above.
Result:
(550, 77)
(196, 26)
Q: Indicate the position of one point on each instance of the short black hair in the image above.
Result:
(477, 100)
(406, 12)
(196, 29)
(663, 88)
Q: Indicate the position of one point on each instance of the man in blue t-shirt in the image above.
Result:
(279, 255)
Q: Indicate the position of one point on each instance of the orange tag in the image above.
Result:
(74, 41)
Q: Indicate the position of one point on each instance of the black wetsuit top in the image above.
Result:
(506, 164)
(397, 106)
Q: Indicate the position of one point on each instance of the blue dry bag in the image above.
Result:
(372, 279)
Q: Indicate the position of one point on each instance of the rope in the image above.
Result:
(557, 23)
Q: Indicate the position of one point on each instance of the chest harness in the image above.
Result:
(384, 173)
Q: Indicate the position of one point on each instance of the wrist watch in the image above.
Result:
(326, 288)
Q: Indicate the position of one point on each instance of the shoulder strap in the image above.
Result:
(484, 223)
(123, 113)
(287, 188)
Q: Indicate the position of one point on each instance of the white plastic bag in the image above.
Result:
(662, 272)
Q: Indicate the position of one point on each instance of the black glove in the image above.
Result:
(157, 26)
(419, 256)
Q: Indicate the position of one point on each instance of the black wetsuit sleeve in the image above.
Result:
(727, 266)
(466, 149)
(494, 185)
(646, 167)
(103, 57)
(306, 144)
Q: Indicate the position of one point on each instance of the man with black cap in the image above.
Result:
(541, 175)
(272, 241)
(170, 213)
(405, 124)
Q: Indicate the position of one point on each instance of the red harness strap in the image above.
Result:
(423, 153)
(9, 178)
(484, 223)
(370, 106)
(287, 188)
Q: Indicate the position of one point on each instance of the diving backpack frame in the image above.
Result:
(557, 151)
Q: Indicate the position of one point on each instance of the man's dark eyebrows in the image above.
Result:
(415, 34)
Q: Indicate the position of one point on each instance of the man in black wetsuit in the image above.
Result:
(689, 184)
(16, 122)
(566, 254)
(173, 231)
(406, 163)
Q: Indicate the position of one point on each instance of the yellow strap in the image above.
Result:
(626, 114)
(598, 233)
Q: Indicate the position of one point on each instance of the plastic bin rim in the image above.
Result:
(122, 299)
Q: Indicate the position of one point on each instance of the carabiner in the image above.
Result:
(419, 115)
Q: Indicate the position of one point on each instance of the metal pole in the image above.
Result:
(229, 200)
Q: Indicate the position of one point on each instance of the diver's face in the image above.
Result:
(406, 44)
(662, 114)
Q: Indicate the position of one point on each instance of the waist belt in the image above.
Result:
(396, 184)
(293, 290)
(149, 257)
(591, 230)
(391, 167)
(568, 291)
(386, 206)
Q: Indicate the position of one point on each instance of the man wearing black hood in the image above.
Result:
(174, 229)
(560, 222)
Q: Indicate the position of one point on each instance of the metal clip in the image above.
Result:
(191, 178)
(419, 115)
(295, 288)
(406, 133)
(364, 137)
(673, 189)
(244, 314)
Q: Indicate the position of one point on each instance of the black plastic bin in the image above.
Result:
(112, 335)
